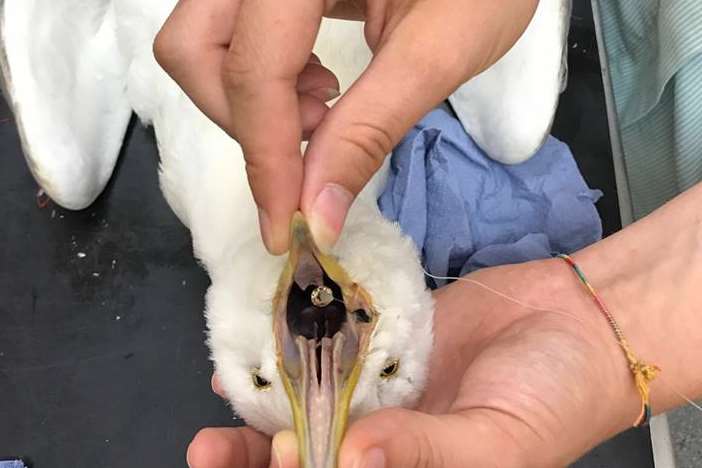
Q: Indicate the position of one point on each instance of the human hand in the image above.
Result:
(248, 65)
(509, 385)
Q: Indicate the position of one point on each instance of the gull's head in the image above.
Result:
(338, 335)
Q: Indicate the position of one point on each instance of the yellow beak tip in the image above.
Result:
(299, 225)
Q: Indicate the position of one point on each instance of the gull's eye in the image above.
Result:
(259, 382)
(361, 316)
(391, 369)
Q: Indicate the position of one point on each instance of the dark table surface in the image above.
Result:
(102, 356)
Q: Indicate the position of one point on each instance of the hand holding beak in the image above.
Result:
(500, 391)
(248, 65)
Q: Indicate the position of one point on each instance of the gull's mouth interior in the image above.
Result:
(322, 325)
(311, 321)
(314, 321)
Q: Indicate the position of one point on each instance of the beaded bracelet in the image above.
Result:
(643, 373)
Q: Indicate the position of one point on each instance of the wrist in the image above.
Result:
(616, 402)
(609, 397)
(649, 276)
(601, 397)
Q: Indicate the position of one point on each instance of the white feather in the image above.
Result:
(508, 109)
(65, 79)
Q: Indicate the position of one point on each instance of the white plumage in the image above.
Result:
(75, 69)
(66, 86)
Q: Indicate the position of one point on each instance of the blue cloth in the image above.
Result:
(465, 211)
(12, 464)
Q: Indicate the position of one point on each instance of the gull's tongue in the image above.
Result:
(321, 370)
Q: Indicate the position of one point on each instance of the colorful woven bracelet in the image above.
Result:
(643, 373)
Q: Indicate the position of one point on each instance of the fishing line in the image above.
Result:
(520, 303)
(690, 402)
(504, 296)
(516, 301)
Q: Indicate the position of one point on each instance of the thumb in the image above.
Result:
(422, 54)
(356, 135)
(398, 437)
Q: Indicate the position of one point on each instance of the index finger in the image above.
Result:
(271, 44)
(191, 47)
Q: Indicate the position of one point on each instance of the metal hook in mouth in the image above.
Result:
(322, 296)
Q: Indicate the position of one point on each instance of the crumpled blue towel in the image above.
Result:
(12, 464)
(465, 211)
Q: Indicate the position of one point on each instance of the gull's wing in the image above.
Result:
(509, 108)
(63, 76)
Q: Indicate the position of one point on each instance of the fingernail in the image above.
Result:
(374, 458)
(324, 94)
(265, 222)
(328, 214)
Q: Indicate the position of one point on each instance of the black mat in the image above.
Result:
(102, 360)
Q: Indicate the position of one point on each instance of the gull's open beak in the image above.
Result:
(322, 324)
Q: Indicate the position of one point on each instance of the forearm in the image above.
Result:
(650, 277)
